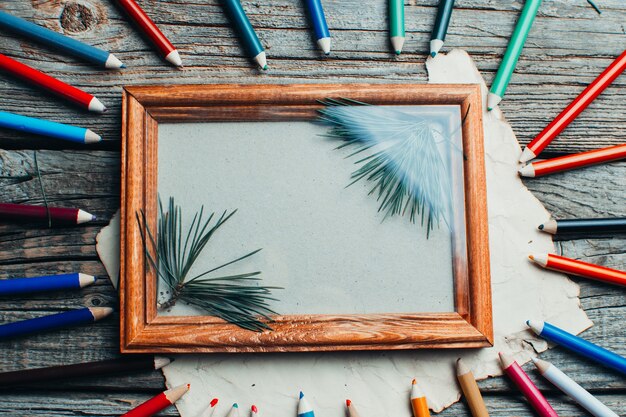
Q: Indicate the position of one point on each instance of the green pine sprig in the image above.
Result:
(236, 299)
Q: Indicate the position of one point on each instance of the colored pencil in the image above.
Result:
(247, 35)
(254, 411)
(396, 25)
(59, 216)
(162, 401)
(58, 41)
(151, 31)
(470, 389)
(579, 104)
(55, 321)
(513, 51)
(320, 28)
(304, 408)
(50, 84)
(578, 345)
(351, 409)
(579, 268)
(211, 408)
(572, 389)
(419, 403)
(46, 128)
(121, 365)
(526, 386)
(444, 12)
(45, 283)
(584, 226)
(568, 162)
(234, 411)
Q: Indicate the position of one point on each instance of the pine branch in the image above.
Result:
(237, 299)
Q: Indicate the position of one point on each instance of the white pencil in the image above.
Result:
(234, 411)
(572, 389)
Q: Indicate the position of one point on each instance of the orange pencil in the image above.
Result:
(579, 160)
(418, 401)
(579, 268)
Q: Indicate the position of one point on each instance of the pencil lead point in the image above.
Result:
(254, 409)
(540, 227)
(235, 405)
(414, 381)
(213, 402)
(531, 257)
(301, 394)
(433, 54)
(489, 108)
(123, 66)
(348, 403)
(398, 52)
(265, 68)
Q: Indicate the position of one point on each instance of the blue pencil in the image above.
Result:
(58, 41)
(55, 321)
(579, 345)
(249, 39)
(46, 283)
(304, 408)
(322, 35)
(46, 128)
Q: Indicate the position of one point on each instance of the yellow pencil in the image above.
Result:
(418, 401)
(470, 389)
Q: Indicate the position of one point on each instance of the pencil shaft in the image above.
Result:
(514, 49)
(242, 25)
(396, 18)
(318, 20)
(578, 393)
(530, 391)
(40, 324)
(586, 270)
(584, 347)
(614, 225)
(45, 82)
(112, 366)
(569, 162)
(581, 102)
(36, 284)
(150, 407)
(54, 39)
(444, 12)
(23, 212)
(147, 26)
(472, 395)
(42, 127)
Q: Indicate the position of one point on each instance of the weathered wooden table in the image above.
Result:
(569, 45)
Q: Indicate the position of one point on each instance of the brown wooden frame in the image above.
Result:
(143, 331)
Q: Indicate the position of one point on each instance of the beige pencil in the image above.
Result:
(470, 389)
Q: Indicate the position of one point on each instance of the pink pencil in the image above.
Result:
(526, 386)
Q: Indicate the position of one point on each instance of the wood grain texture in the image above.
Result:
(142, 331)
(568, 47)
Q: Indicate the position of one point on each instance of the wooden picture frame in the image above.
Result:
(144, 331)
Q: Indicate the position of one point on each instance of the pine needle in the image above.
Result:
(237, 299)
(411, 177)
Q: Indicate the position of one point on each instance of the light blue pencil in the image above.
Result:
(46, 128)
(58, 41)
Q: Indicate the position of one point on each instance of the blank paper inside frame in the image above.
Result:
(329, 243)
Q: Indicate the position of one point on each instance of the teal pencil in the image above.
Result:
(513, 51)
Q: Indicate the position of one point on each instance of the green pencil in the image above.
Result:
(512, 53)
(396, 24)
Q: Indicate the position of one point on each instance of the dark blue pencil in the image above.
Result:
(579, 345)
(46, 283)
(318, 20)
(58, 41)
(55, 321)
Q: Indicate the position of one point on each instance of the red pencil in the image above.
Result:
(160, 402)
(59, 216)
(526, 386)
(579, 160)
(581, 102)
(579, 268)
(151, 30)
(48, 83)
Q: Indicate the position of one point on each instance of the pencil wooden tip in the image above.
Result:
(541, 365)
(175, 393)
(160, 362)
(535, 325)
(85, 280)
(100, 312)
(505, 360)
(461, 367)
(174, 58)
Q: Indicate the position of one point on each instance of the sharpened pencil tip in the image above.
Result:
(214, 402)
(301, 394)
(265, 68)
(348, 402)
(123, 66)
(398, 52)
(489, 108)
(531, 257)
(235, 405)
(540, 227)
